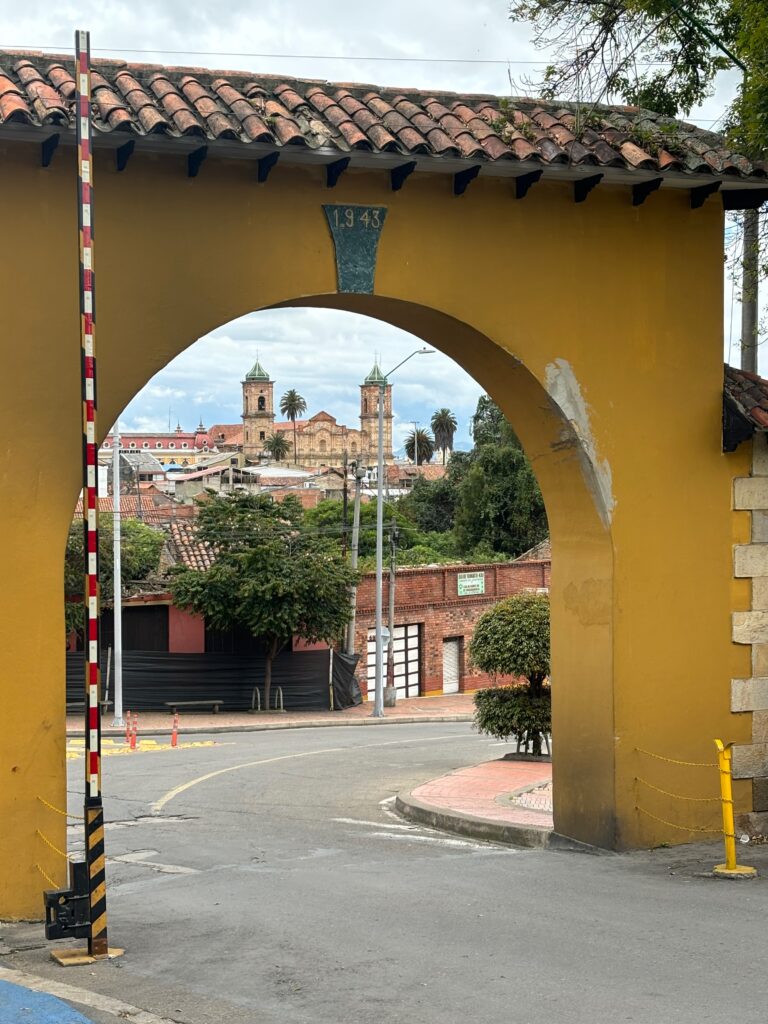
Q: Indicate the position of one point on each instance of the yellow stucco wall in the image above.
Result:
(616, 310)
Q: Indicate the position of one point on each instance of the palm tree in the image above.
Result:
(291, 406)
(444, 427)
(420, 446)
(277, 446)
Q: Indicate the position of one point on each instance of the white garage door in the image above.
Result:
(407, 666)
(451, 665)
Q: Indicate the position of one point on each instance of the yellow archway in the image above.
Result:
(596, 326)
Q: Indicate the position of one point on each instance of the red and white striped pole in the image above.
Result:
(94, 814)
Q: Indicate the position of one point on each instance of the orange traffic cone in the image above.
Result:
(134, 730)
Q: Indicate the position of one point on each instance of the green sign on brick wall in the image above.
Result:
(469, 583)
(355, 231)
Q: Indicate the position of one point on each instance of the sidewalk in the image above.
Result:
(504, 801)
(456, 707)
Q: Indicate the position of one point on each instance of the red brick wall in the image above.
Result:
(430, 597)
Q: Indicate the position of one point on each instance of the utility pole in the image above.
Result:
(117, 579)
(378, 701)
(391, 696)
(749, 290)
(345, 508)
(359, 474)
(416, 441)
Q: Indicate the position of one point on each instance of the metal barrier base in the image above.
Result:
(81, 957)
(739, 871)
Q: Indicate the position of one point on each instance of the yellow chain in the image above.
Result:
(678, 796)
(66, 814)
(49, 843)
(672, 760)
(48, 878)
(682, 828)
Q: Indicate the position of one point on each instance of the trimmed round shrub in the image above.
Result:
(504, 711)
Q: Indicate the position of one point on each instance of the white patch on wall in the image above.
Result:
(564, 389)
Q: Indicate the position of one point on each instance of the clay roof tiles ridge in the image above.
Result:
(38, 90)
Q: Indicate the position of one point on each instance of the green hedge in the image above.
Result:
(504, 711)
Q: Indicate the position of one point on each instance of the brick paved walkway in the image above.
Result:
(493, 791)
(456, 707)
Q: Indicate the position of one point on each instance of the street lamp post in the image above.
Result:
(378, 702)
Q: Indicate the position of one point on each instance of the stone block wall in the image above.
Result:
(750, 696)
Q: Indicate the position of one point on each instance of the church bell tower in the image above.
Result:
(369, 415)
(258, 410)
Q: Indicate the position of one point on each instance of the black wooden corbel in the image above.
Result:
(643, 189)
(462, 179)
(264, 165)
(523, 183)
(47, 149)
(398, 175)
(195, 160)
(702, 192)
(124, 153)
(583, 186)
(335, 170)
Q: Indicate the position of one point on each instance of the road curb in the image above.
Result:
(472, 825)
(274, 726)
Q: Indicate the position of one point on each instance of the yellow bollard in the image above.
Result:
(730, 869)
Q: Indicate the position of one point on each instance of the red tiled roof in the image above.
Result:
(540, 553)
(226, 433)
(157, 509)
(750, 393)
(236, 107)
(188, 548)
(308, 496)
(410, 472)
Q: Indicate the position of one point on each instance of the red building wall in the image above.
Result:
(430, 597)
(186, 632)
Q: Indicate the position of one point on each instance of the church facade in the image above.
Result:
(320, 440)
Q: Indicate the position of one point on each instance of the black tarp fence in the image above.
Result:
(151, 679)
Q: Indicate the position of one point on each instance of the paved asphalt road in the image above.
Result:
(284, 890)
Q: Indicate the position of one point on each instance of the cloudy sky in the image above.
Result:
(423, 44)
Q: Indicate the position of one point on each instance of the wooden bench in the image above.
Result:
(193, 705)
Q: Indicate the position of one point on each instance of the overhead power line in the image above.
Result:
(498, 61)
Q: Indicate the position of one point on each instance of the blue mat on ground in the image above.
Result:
(21, 1006)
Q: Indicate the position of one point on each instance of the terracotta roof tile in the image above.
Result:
(749, 392)
(188, 548)
(233, 106)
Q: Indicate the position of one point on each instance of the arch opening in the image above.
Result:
(552, 422)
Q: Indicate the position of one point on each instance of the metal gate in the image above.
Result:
(407, 660)
(451, 665)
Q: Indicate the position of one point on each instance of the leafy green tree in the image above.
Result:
(277, 446)
(293, 406)
(326, 520)
(431, 504)
(140, 555)
(499, 503)
(513, 639)
(444, 426)
(420, 446)
(271, 576)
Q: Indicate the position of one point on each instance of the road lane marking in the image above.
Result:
(94, 1000)
(139, 858)
(440, 840)
(158, 805)
(374, 824)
